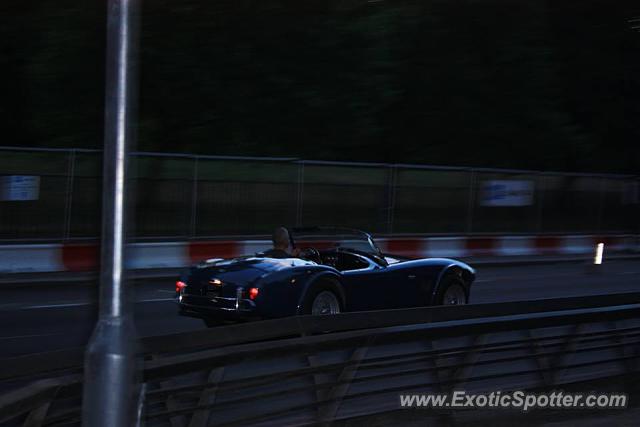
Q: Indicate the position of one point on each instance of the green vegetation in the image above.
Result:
(532, 84)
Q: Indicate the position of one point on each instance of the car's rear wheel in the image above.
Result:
(325, 302)
(452, 292)
(323, 297)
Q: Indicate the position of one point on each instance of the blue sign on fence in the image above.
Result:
(507, 193)
(19, 187)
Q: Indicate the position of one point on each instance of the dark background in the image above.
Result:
(550, 85)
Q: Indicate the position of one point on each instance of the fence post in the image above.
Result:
(194, 199)
(300, 193)
(472, 193)
(66, 233)
(391, 196)
(542, 184)
(601, 198)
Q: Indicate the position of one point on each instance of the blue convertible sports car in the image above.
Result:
(337, 270)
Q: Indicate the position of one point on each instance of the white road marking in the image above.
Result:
(543, 277)
(578, 274)
(81, 304)
(29, 336)
(75, 304)
(157, 300)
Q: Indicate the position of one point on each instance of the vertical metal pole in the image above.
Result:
(108, 396)
(300, 198)
(69, 196)
(472, 185)
(194, 199)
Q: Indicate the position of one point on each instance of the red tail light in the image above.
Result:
(180, 285)
(253, 293)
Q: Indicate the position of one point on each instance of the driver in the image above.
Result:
(281, 245)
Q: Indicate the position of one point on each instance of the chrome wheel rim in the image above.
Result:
(454, 295)
(325, 303)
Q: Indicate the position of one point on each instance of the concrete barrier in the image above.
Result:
(30, 258)
(85, 256)
(158, 255)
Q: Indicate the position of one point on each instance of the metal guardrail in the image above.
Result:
(287, 371)
(35, 365)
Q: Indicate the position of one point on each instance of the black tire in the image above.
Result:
(452, 291)
(318, 289)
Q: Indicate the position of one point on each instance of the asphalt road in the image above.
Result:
(48, 316)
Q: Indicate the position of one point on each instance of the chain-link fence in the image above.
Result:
(184, 196)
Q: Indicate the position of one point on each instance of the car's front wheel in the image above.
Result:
(452, 292)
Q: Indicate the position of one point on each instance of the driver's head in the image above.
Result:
(281, 238)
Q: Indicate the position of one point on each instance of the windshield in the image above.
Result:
(323, 238)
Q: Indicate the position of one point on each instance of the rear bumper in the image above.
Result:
(217, 307)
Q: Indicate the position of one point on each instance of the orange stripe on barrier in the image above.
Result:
(548, 244)
(80, 257)
(405, 247)
(481, 245)
(607, 240)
